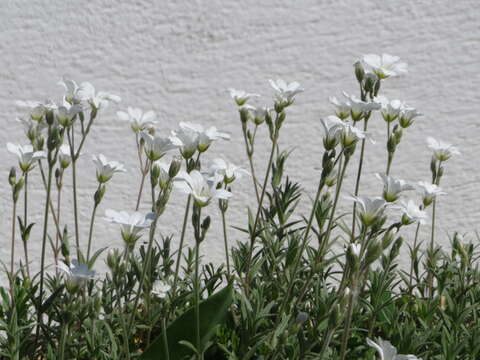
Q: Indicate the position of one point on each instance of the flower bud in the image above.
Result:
(175, 167)
(17, 188)
(65, 248)
(397, 133)
(98, 196)
(49, 116)
(244, 115)
(206, 223)
(374, 251)
(396, 248)
(359, 71)
(12, 176)
(376, 87)
(391, 144)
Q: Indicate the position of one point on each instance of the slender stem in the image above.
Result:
(326, 342)
(44, 242)
(250, 160)
(12, 251)
(92, 220)
(144, 270)
(359, 174)
(71, 141)
(59, 199)
(124, 327)
(225, 240)
(346, 332)
(259, 209)
(63, 341)
(52, 208)
(180, 248)
(414, 256)
(326, 240)
(197, 301)
(165, 339)
(431, 248)
(25, 214)
(142, 182)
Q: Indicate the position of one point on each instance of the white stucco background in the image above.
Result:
(179, 57)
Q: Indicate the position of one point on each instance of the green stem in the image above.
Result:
(326, 240)
(165, 339)
(431, 248)
(225, 240)
(12, 251)
(250, 160)
(359, 174)
(180, 248)
(92, 220)
(346, 332)
(63, 341)
(414, 256)
(25, 213)
(197, 302)
(57, 237)
(44, 242)
(144, 270)
(71, 140)
(259, 209)
(326, 343)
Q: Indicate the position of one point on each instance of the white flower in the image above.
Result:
(131, 225)
(258, 114)
(351, 134)
(37, 109)
(191, 135)
(64, 157)
(333, 127)
(392, 187)
(342, 108)
(77, 273)
(105, 168)
(412, 213)
(441, 150)
(66, 113)
(370, 209)
(227, 171)
(387, 351)
(428, 191)
(202, 189)
(98, 100)
(390, 109)
(407, 115)
(285, 92)
(26, 155)
(32, 128)
(240, 96)
(157, 146)
(359, 108)
(71, 90)
(138, 119)
(385, 65)
(160, 289)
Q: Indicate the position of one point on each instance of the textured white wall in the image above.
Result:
(178, 58)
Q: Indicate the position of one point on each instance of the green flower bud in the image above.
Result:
(12, 176)
(359, 71)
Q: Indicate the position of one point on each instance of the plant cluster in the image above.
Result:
(321, 285)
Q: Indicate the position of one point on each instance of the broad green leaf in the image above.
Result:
(213, 312)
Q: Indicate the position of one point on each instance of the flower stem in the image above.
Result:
(180, 248)
(71, 141)
(165, 339)
(197, 302)
(92, 220)
(225, 240)
(346, 332)
(259, 209)
(414, 256)
(359, 174)
(25, 213)
(44, 242)
(12, 250)
(59, 199)
(250, 160)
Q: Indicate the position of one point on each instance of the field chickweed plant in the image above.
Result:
(316, 285)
